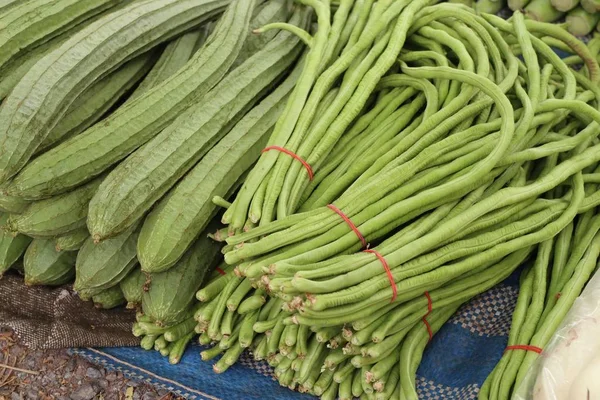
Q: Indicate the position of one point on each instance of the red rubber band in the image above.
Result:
(219, 270)
(295, 156)
(429, 331)
(535, 349)
(429, 304)
(349, 222)
(387, 271)
(429, 309)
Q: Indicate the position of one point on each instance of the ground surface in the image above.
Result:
(57, 375)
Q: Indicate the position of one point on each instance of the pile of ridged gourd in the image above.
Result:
(113, 103)
(364, 175)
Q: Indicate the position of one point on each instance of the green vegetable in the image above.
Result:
(564, 5)
(148, 342)
(489, 6)
(57, 215)
(24, 61)
(26, 118)
(123, 198)
(175, 55)
(176, 352)
(298, 140)
(6, 5)
(109, 298)
(542, 10)
(73, 240)
(12, 205)
(11, 247)
(180, 330)
(171, 293)
(413, 347)
(109, 142)
(581, 22)
(265, 13)
(103, 265)
(14, 71)
(93, 104)
(465, 2)
(175, 223)
(133, 287)
(43, 265)
(455, 197)
(35, 22)
(591, 6)
(517, 4)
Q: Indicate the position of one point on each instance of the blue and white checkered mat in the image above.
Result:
(454, 365)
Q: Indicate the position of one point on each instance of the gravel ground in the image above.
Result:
(56, 375)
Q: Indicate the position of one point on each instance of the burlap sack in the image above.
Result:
(47, 318)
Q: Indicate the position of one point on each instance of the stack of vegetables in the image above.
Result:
(365, 167)
(128, 80)
(580, 17)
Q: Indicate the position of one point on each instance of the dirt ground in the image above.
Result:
(55, 375)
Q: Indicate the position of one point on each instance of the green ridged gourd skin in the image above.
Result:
(17, 69)
(43, 265)
(6, 5)
(206, 30)
(49, 88)
(35, 22)
(133, 187)
(11, 247)
(265, 13)
(185, 211)
(175, 55)
(106, 222)
(21, 64)
(92, 104)
(103, 265)
(133, 287)
(109, 298)
(57, 215)
(73, 240)
(12, 205)
(81, 158)
(171, 293)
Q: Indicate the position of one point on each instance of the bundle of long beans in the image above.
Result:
(425, 154)
(562, 267)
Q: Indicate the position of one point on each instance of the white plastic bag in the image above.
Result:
(569, 366)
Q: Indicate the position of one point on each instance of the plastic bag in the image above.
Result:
(569, 367)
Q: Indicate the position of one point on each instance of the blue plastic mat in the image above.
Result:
(454, 365)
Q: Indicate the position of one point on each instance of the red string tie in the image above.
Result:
(219, 270)
(295, 156)
(386, 267)
(350, 224)
(535, 349)
(429, 309)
